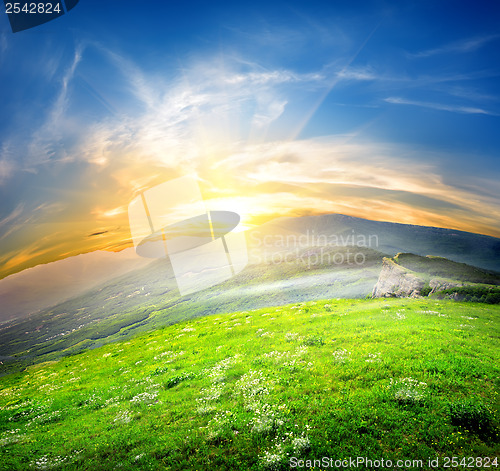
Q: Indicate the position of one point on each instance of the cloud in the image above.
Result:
(47, 142)
(274, 77)
(376, 180)
(177, 118)
(357, 73)
(98, 233)
(13, 216)
(6, 169)
(459, 47)
(228, 121)
(440, 106)
(202, 111)
(270, 112)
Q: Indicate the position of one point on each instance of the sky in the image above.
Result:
(383, 110)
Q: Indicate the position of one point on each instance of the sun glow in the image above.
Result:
(231, 123)
(245, 207)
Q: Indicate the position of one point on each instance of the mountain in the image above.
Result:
(46, 285)
(390, 238)
(148, 298)
(290, 260)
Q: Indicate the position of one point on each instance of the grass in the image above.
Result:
(479, 293)
(392, 379)
(147, 299)
(432, 267)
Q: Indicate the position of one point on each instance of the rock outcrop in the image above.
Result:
(397, 281)
(439, 285)
(410, 275)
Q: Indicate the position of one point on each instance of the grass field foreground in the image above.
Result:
(385, 378)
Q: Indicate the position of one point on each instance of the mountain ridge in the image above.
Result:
(478, 250)
(391, 238)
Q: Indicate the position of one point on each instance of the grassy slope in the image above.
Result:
(148, 298)
(473, 249)
(239, 391)
(432, 267)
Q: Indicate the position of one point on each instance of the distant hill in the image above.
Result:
(389, 238)
(291, 260)
(37, 288)
(432, 267)
(147, 298)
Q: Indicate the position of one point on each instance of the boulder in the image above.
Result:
(397, 281)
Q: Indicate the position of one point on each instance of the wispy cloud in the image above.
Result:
(211, 103)
(439, 106)
(7, 163)
(469, 93)
(46, 141)
(13, 216)
(274, 77)
(229, 121)
(62, 99)
(361, 178)
(457, 47)
(357, 73)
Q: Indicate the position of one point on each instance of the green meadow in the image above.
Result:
(267, 389)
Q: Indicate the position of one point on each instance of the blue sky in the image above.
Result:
(384, 110)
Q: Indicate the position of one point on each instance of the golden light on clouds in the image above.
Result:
(223, 125)
(261, 182)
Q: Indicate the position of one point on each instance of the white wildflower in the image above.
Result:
(408, 389)
(341, 355)
(123, 417)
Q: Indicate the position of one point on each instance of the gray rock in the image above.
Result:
(438, 285)
(397, 281)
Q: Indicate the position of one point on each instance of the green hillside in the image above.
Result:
(146, 299)
(474, 249)
(442, 267)
(392, 379)
(410, 275)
